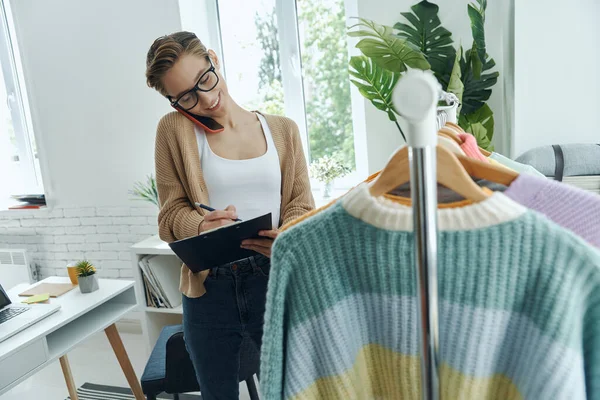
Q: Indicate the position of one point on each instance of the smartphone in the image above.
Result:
(208, 124)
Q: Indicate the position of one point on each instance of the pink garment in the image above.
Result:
(469, 146)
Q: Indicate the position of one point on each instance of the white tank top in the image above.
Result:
(253, 186)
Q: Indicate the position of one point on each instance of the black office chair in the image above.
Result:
(170, 369)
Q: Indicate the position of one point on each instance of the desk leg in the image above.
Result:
(117, 345)
(66, 368)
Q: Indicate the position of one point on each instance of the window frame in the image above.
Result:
(17, 103)
(291, 69)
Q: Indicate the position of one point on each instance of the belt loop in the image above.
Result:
(215, 272)
(253, 263)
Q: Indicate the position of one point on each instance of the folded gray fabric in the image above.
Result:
(579, 159)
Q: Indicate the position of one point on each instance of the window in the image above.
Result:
(290, 57)
(251, 54)
(18, 154)
(324, 49)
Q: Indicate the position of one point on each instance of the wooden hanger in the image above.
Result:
(447, 142)
(458, 129)
(484, 152)
(450, 133)
(493, 173)
(440, 133)
(450, 173)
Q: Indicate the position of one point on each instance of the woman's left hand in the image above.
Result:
(262, 246)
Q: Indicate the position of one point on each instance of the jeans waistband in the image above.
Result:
(243, 266)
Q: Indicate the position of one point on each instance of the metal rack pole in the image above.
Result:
(415, 97)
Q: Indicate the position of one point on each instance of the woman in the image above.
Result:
(255, 165)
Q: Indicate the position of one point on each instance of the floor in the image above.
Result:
(93, 361)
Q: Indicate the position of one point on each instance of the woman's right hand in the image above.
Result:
(218, 218)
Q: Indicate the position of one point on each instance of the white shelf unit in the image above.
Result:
(153, 319)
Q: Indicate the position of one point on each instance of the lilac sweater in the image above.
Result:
(570, 207)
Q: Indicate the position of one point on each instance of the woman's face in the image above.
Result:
(186, 72)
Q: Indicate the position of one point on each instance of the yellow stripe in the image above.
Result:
(380, 373)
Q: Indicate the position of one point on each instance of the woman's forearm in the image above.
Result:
(177, 220)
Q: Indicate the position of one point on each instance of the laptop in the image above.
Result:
(16, 317)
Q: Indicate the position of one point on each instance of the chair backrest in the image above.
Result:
(180, 376)
(249, 359)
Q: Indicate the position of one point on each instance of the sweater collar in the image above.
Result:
(385, 214)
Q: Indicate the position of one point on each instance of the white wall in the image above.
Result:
(557, 79)
(196, 16)
(93, 115)
(94, 120)
(382, 136)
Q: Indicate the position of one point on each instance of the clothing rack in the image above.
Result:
(415, 98)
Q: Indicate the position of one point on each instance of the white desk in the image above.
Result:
(80, 316)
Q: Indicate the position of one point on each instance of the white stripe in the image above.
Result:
(102, 395)
(386, 214)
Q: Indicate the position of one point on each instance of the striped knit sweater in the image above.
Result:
(519, 306)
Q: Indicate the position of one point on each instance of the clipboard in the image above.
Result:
(220, 246)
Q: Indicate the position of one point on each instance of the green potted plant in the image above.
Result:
(419, 41)
(86, 275)
(327, 169)
(146, 191)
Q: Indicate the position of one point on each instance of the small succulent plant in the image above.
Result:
(85, 268)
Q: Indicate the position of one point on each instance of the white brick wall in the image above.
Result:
(79, 212)
(102, 235)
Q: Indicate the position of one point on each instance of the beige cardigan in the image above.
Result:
(180, 183)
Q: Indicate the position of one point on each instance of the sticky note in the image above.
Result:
(38, 298)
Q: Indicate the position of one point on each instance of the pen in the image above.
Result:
(207, 208)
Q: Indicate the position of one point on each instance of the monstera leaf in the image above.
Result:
(476, 64)
(478, 130)
(374, 83)
(455, 84)
(425, 31)
(477, 17)
(477, 90)
(481, 125)
(385, 49)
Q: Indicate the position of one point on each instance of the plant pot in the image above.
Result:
(88, 284)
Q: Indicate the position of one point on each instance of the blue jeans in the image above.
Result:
(214, 325)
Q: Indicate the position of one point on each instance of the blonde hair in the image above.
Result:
(165, 51)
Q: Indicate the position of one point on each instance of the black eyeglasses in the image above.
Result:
(207, 82)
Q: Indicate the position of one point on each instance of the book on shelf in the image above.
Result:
(160, 275)
(28, 202)
(26, 206)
